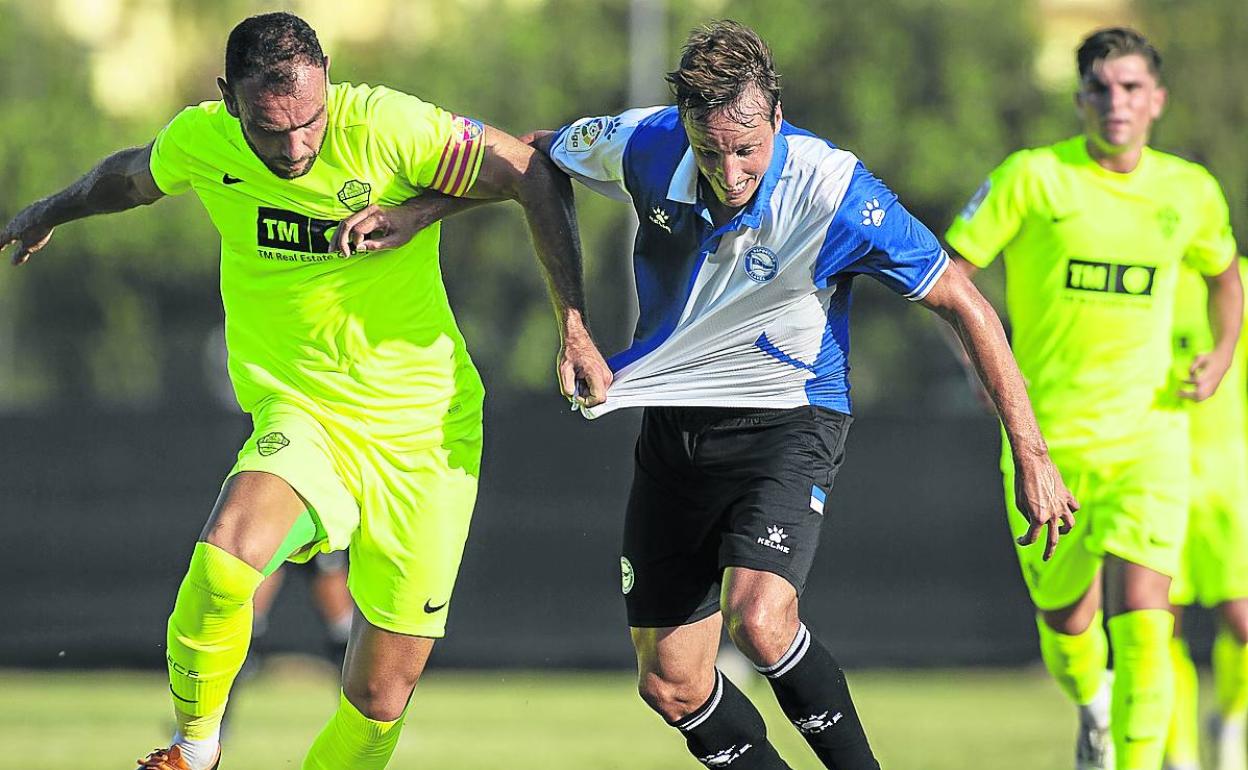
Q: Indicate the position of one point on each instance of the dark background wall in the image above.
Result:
(101, 511)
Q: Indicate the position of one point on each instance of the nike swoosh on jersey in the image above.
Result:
(227, 179)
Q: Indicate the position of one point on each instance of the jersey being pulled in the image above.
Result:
(1091, 260)
(1220, 422)
(754, 313)
(369, 341)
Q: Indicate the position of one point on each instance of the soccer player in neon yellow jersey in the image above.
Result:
(366, 406)
(1094, 230)
(1214, 567)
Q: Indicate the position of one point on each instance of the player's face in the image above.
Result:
(284, 130)
(1119, 100)
(733, 156)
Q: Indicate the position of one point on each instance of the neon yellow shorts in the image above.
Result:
(1133, 505)
(404, 512)
(1214, 567)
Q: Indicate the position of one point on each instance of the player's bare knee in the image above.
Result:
(761, 630)
(673, 699)
(381, 697)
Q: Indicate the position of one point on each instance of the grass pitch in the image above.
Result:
(917, 720)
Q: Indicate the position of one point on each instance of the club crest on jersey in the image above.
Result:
(271, 443)
(587, 134)
(761, 264)
(354, 194)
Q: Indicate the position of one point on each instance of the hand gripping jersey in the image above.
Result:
(366, 343)
(1092, 258)
(753, 313)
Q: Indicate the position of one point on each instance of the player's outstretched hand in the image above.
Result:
(1042, 497)
(28, 232)
(1206, 373)
(583, 373)
(380, 227)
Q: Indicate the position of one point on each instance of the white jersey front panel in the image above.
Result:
(753, 313)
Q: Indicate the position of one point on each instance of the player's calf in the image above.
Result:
(725, 730)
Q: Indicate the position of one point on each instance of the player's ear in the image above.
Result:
(227, 96)
(777, 118)
(326, 67)
(1159, 102)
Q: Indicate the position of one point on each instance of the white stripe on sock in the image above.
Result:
(706, 711)
(797, 648)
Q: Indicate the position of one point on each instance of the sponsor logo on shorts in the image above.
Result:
(725, 757)
(626, 574)
(1110, 278)
(271, 443)
(431, 608)
(354, 194)
(761, 264)
(775, 539)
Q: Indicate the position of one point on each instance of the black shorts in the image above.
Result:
(718, 488)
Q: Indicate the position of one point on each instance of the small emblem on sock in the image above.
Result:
(817, 723)
(725, 757)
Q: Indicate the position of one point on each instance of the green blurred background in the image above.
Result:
(931, 95)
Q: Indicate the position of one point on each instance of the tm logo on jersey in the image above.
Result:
(1110, 278)
(288, 231)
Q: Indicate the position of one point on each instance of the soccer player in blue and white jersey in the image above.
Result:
(752, 232)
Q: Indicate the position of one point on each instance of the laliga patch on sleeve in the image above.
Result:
(583, 137)
(976, 200)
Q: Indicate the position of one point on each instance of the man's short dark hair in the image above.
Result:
(269, 47)
(719, 63)
(1112, 42)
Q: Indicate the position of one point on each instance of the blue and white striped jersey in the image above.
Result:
(754, 313)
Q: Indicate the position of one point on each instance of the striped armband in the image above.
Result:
(461, 157)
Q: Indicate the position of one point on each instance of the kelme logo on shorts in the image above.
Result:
(354, 194)
(626, 573)
(272, 442)
(1110, 278)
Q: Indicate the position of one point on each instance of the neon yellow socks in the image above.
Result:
(209, 632)
(1143, 686)
(1183, 741)
(352, 740)
(1077, 662)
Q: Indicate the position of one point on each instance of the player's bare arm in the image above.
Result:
(121, 181)
(1226, 312)
(513, 170)
(1041, 493)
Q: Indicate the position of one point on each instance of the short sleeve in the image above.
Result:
(432, 148)
(994, 214)
(591, 150)
(1213, 244)
(171, 162)
(871, 233)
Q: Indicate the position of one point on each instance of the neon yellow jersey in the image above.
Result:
(369, 342)
(1092, 259)
(1222, 419)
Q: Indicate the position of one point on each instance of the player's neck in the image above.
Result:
(1123, 162)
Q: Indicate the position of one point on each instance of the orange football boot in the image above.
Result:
(170, 759)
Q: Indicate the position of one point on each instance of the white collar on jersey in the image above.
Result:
(684, 185)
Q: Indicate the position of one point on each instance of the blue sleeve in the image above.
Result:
(871, 233)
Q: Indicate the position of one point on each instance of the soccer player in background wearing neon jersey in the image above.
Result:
(1094, 230)
(1214, 567)
(365, 404)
